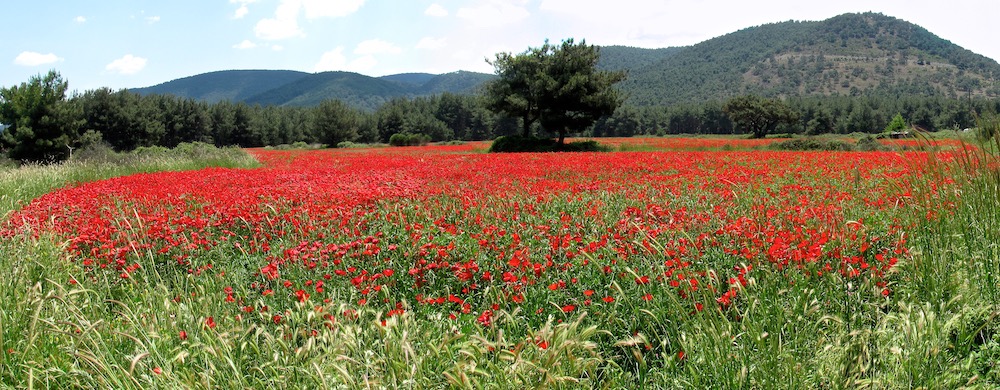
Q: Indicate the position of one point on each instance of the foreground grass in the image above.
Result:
(938, 330)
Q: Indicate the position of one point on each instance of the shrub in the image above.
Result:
(300, 145)
(988, 127)
(100, 152)
(897, 124)
(409, 139)
(584, 146)
(518, 144)
(870, 144)
(811, 143)
(150, 151)
(6, 162)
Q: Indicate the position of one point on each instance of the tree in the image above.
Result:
(897, 124)
(759, 115)
(557, 86)
(335, 122)
(42, 126)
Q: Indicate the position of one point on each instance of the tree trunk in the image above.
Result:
(527, 126)
(562, 137)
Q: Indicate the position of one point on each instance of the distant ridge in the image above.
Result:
(848, 54)
(232, 85)
(300, 89)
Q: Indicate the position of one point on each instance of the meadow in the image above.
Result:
(669, 263)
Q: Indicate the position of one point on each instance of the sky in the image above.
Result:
(139, 43)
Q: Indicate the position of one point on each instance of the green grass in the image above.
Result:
(940, 330)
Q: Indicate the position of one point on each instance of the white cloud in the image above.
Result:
(436, 10)
(277, 47)
(284, 25)
(128, 64)
(80, 19)
(495, 13)
(330, 8)
(376, 46)
(152, 19)
(331, 60)
(246, 44)
(431, 43)
(241, 12)
(362, 64)
(30, 58)
(335, 60)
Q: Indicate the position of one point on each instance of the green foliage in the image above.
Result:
(812, 143)
(988, 127)
(42, 126)
(519, 144)
(556, 86)
(759, 115)
(897, 124)
(409, 139)
(863, 144)
(334, 122)
(299, 145)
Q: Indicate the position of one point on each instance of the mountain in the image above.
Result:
(411, 79)
(460, 82)
(359, 90)
(629, 58)
(848, 54)
(233, 85)
(299, 89)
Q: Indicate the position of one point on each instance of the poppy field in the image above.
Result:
(442, 266)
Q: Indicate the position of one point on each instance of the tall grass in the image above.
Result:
(940, 328)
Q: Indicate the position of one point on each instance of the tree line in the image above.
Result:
(41, 122)
(836, 114)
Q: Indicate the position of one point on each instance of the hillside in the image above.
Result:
(232, 85)
(631, 58)
(359, 90)
(290, 88)
(849, 54)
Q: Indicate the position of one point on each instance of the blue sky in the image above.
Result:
(138, 43)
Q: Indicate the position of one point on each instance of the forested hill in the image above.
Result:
(850, 54)
(847, 54)
(232, 85)
(289, 88)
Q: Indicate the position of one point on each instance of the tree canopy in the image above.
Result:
(557, 86)
(41, 125)
(759, 115)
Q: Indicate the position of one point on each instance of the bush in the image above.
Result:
(409, 139)
(298, 145)
(988, 127)
(870, 144)
(519, 144)
(6, 162)
(150, 151)
(810, 143)
(100, 152)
